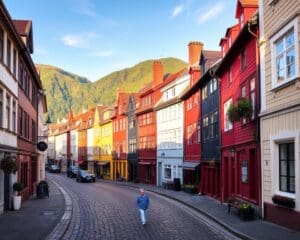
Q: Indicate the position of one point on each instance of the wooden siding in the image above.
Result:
(273, 126)
(274, 18)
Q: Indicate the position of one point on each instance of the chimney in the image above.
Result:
(157, 73)
(195, 49)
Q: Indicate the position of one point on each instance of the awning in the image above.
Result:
(102, 163)
(144, 163)
(189, 165)
(79, 161)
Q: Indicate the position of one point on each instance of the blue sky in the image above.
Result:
(93, 38)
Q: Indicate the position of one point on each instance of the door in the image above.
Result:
(159, 170)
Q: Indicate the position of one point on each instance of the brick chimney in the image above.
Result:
(195, 49)
(157, 73)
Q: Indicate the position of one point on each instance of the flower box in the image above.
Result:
(246, 212)
(283, 201)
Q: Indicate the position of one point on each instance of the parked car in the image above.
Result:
(72, 171)
(47, 166)
(85, 176)
(54, 169)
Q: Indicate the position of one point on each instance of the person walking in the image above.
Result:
(142, 202)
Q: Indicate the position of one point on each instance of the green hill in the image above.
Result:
(65, 90)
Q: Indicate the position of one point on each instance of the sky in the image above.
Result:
(93, 38)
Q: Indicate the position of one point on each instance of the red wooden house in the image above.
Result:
(119, 121)
(192, 118)
(239, 77)
(196, 149)
(146, 118)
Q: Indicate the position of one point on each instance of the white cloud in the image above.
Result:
(104, 53)
(177, 10)
(211, 13)
(80, 40)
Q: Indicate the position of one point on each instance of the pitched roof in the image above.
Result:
(211, 57)
(249, 2)
(23, 26)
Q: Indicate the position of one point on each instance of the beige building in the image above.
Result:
(280, 110)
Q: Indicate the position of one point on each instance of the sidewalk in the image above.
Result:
(36, 218)
(256, 229)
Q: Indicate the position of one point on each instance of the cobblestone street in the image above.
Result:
(107, 211)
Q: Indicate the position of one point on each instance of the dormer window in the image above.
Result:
(242, 20)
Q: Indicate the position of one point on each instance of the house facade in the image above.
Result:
(280, 111)
(192, 131)
(29, 90)
(132, 156)
(170, 111)
(10, 45)
(239, 83)
(202, 141)
(106, 147)
(119, 121)
(146, 119)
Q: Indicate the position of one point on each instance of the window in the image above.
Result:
(1, 44)
(205, 128)
(285, 54)
(204, 93)
(252, 96)
(287, 167)
(1, 108)
(8, 55)
(198, 132)
(189, 134)
(244, 171)
(167, 171)
(8, 111)
(229, 75)
(227, 122)
(242, 19)
(244, 95)
(15, 62)
(243, 59)
(132, 145)
(21, 73)
(173, 92)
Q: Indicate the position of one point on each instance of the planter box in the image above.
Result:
(246, 214)
(191, 190)
(284, 201)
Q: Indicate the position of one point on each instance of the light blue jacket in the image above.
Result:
(142, 202)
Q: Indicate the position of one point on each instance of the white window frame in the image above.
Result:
(275, 140)
(273, 40)
(226, 106)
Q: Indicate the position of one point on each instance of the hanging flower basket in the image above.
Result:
(283, 201)
(233, 113)
(9, 165)
(244, 107)
(241, 109)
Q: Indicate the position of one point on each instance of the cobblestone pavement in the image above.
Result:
(108, 211)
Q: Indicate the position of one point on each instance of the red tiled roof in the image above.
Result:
(249, 2)
(211, 57)
(23, 26)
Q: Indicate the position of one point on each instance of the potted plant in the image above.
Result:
(17, 187)
(42, 189)
(190, 189)
(9, 165)
(233, 113)
(244, 107)
(246, 211)
(283, 201)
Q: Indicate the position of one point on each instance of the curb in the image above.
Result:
(61, 227)
(224, 225)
